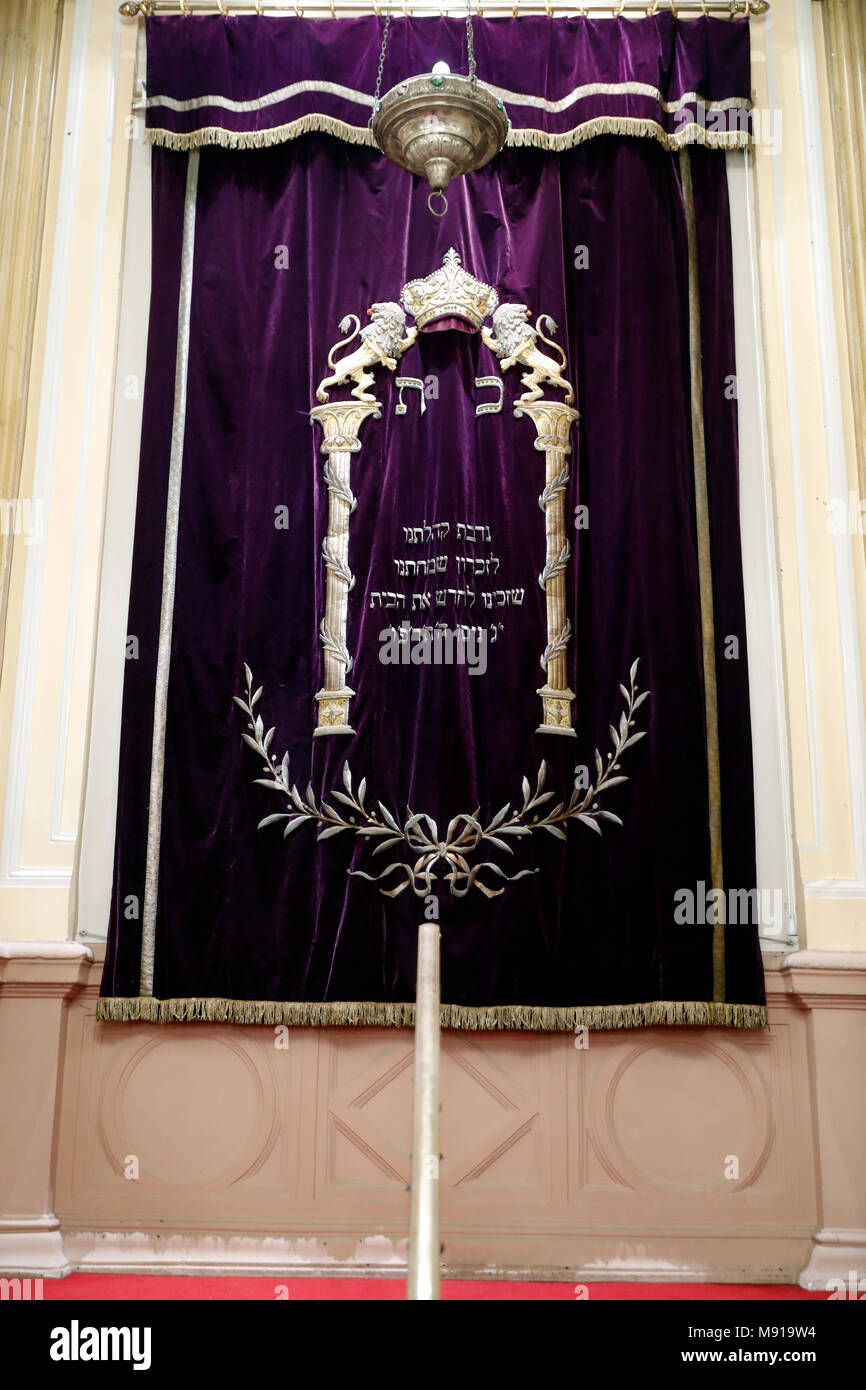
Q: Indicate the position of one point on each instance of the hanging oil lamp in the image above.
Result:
(440, 123)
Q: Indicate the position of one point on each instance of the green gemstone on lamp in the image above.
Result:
(436, 81)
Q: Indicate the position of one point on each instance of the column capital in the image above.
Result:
(341, 422)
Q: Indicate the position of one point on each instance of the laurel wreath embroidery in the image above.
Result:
(466, 834)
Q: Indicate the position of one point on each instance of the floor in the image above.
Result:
(176, 1287)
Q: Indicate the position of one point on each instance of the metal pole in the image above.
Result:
(330, 9)
(423, 1282)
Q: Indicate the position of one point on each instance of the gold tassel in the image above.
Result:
(535, 1018)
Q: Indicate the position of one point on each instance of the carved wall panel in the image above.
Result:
(678, 1152)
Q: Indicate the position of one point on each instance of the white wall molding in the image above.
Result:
(813, 733)
(837, 467)
(774, 829)
(56, 834)
(11, 868)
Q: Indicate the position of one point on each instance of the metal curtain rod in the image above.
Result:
(332, 9)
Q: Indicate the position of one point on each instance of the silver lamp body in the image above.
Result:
(440, 126)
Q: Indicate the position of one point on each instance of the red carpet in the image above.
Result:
(179, 1287)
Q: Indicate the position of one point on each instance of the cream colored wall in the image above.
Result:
(801, 408)
(45, 693)
(810, 427)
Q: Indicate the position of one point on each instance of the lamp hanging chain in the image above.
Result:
(378, 91)
(470, 43)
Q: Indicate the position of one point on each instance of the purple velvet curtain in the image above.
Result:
(251, 926)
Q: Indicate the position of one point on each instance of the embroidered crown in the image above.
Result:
(449, 292)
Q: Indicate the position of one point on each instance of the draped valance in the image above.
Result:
(242, 82)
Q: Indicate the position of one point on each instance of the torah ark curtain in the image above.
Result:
(562, 860)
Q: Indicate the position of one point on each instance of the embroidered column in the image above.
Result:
(553, 421)
(341, 422)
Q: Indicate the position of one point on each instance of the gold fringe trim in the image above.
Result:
(525, 137)
(145, 1009)
(316, 122)
(691, 134)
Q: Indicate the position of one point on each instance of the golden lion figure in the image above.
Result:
(382, 342)
(514, 340)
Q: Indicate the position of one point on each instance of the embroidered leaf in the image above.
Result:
(341, 796)
(593, 824)
(296, 798)
(609, 815)
(386, 844)
(241, 704)
(539, 800)
(633, 738)
(525, 788)
(623, 725)
(248, 738)
(249, 675)
(267, 739)
(293, 825)
(362, 788)
(500, 815)
(257, 695)
(331, 830)
(599, 765)
(515, 830)
(311, 800)
(347, 777)
(626, 695)
(284, 768)
(555, 830)
(270, 820)
(614, 736)
(640, 699)
(377, 830)
(633, 671)
(500, 844)
(389, 819)
(267, 782)
(542, 776)
(259, 726)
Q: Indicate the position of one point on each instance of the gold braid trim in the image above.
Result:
(145, 1009)
(691, 134)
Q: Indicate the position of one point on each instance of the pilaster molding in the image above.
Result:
(37, 978)
(43, 969)
(845, 38)
(29, 41)
(831, 985)
(826, 979)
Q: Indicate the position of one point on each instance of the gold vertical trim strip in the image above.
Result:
(702, 517)
(169, 571)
